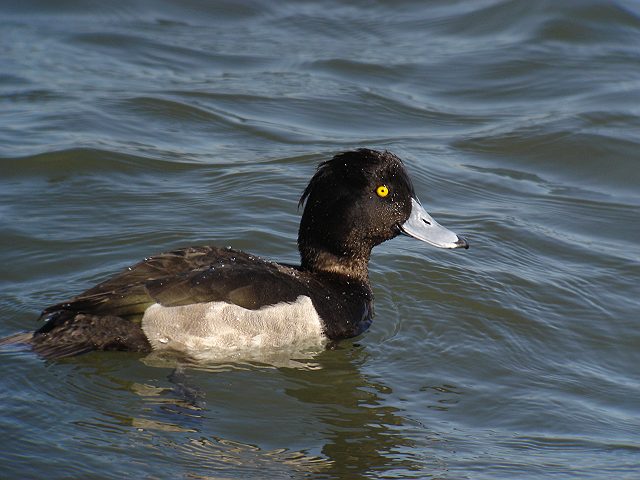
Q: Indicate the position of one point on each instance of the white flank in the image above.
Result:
(222, 330)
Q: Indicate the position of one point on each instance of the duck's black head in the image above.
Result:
(356, 201)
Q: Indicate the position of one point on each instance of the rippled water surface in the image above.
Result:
(129, 128)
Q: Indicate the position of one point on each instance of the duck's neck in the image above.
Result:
(354, 266)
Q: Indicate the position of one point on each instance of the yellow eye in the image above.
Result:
(382, 191)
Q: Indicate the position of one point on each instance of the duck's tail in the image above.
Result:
(50, 351)
(67, 334)
(23, 337)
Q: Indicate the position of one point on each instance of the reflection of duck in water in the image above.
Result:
(360, 431)
(330, 420)
(207, 300)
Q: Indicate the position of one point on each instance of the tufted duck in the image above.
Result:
(209, 298)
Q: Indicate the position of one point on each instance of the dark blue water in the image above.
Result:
(130, 128)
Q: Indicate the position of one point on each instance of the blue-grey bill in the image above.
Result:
(422, 226)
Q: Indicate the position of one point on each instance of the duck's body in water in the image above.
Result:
(208, 298)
